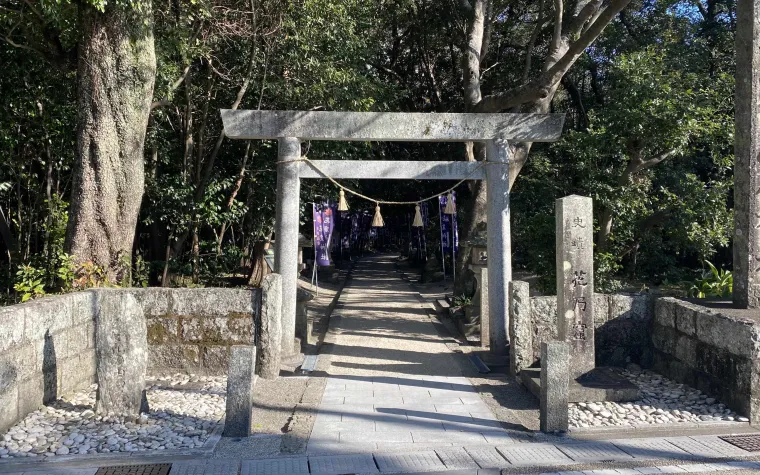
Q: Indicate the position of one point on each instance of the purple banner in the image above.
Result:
(446, 222)
(424, 214)
(324, 223)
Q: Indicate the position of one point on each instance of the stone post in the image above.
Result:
(499, 243)
(555, 365)
(121, 354)
(286, 235)
(747, 147)
(520, 327)
(270, 334)
(240, 383)
(485, 319)
(575, 280)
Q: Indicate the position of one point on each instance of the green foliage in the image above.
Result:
(90, 275)
(140, 272)
(654, 151)
(462, 300)
(65, 271)
(607, 272)
(658, 82)
(29, 282)
(713, 283)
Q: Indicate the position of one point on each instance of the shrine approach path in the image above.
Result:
(391, 380)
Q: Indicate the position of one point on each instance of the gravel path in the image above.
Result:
(184, 411)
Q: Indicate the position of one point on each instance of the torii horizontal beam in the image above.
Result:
(393, 170)
(391, 126)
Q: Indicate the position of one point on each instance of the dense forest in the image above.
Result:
(114, 168)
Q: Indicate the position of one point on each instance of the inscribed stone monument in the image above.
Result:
(575, 280)
(746, 292)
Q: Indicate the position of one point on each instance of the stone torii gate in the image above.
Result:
(496, 130)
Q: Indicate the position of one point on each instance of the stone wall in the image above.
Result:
(622, 327)
(46, 349)
(47, 345)
(717, 353)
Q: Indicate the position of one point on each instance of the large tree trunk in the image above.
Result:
(116, 73)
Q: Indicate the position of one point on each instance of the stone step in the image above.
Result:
(606, 386)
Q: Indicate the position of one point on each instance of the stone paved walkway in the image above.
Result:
(392, 381)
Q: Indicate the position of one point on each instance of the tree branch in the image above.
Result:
(475, 32)
(587, 13)
(165, 101)
(512, 98)
(161, 103)
(576, 49)
(577, 99)
(486, 32)
(657, 160)
(541, 88)
(532, 41)
(629, 28)
(702, 9)
(557, 35)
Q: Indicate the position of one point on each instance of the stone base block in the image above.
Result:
(601, 384)
(496, 363)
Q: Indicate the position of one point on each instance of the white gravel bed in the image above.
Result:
(184, 411)
(662, 402)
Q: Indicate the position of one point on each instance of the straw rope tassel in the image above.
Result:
(342, 203)
(377, 221)
(417, 223)
(450, 208)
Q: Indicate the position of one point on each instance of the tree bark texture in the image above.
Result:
(116, 74)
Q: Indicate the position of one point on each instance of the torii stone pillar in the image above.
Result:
(286, 235)
(747, 147)
(499, 244)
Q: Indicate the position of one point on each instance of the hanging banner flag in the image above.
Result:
(324, 223)
(446, 223)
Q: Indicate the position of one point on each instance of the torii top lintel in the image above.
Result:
(391, 126)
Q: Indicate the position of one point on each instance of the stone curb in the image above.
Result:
(663, 427)
(334, 303)
(171, 456)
